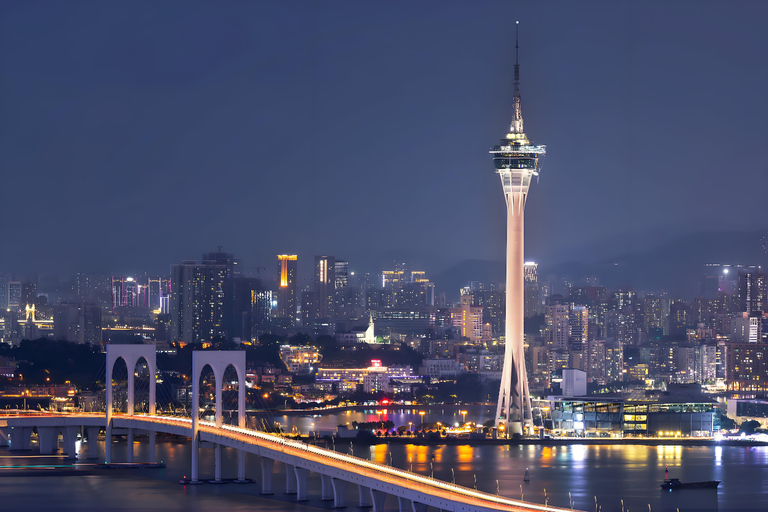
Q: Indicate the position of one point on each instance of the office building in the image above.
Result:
(287, 295)
(197, 301)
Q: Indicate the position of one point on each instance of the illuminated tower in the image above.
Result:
(286, 295)
(516, 161)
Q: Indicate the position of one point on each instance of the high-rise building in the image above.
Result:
(468, 318)
(325, 286)
(4, 278)
(516, 161)
(341, 274)
(578, 318)
(222, 258)
(238, 305)
(532, 301)
(752, 290)
(77, 322)
(197, 301)
(557, 326)
(287, 296)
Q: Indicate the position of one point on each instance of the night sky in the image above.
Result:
(137, 134)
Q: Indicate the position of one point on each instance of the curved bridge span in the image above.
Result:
(414, 492)
(375, 481)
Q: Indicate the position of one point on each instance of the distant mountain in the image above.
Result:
(453, 279)
(675, 265)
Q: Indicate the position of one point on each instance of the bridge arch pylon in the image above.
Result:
(131, 354)
(218, 361)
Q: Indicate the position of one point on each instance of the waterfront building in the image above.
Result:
(681, 410)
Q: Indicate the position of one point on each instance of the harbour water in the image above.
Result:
(592, 477)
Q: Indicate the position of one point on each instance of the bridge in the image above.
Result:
(414, 492)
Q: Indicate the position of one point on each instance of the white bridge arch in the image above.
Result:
(130, 354)
(219, 361)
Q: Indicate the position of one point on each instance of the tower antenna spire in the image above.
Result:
(517, 53)
(516, 126)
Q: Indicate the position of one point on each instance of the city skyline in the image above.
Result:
(161, 142)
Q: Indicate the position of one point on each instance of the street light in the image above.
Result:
(422, 413)
(463, 417)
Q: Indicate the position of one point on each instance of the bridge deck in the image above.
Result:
(399, 478)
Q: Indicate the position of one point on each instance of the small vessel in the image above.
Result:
(673, 484)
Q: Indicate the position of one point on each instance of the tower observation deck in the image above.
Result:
(516, 161)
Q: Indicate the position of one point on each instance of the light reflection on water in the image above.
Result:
(609, 472)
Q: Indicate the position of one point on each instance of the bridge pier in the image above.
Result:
(108, 443)
(339, 498)
(378, 498)
(326, 488)
(70, 441)
(403, 504)
(266, 475)
(241, 467)
(290, 479)
(217, 463)
(48, 440)
(195, 463)
(364, 494)
(302, 479)
(129, 447)
(20, 438)
(419, 507)
(92, 435)
(3, 437)
(152, 446)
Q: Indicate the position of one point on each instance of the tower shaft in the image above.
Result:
(516, 161)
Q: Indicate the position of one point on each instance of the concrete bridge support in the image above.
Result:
(290, 479)
(419, 507)
(92, 436)
(378, 498)
(129, 445)
(364, 494)
(403, 504)
(217, 463)
(302, 480)
(339, 496)
(266, 475)
(241, 466)
(48, 440)
(70, 441)
(326, 488)
(4, 437)
(152, 446)
(20, 438)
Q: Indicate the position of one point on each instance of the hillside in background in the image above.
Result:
(675, 265)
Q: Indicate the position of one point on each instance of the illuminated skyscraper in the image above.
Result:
(531, 289)
(325, 286)
(286, 290)
(516, 162)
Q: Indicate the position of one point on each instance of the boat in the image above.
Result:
(674, 484)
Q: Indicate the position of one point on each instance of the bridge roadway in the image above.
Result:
(414, 491)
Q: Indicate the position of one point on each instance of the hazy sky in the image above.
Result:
(137, 134)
